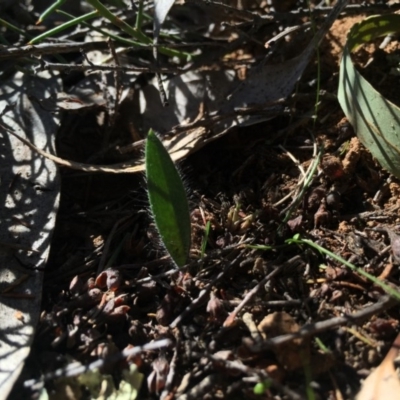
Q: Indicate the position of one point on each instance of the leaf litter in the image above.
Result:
(108, 286)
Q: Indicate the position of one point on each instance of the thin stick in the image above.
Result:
(260, 374)
(115, 168)
(312, 329)
(294, 159)
(74, 369)
(50, 48)
(171, 374)
(252, 292)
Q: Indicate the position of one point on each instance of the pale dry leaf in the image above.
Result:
(179, 147)
(161, 9)
(186, 93)
(29, 189)
(269, 83)
(383, 383)
(293, 355)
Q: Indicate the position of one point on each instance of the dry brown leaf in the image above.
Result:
(291, 355)
(383, 383)
(180, 146)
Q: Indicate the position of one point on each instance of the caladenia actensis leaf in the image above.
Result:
(374, 118)
(168, 201)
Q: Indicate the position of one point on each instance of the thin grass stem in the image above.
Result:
(14, 28)
(63, 26)
(138, 35)
(205, 239)
(389, 290)
(117, 38)
(49, 11)
(139, 17)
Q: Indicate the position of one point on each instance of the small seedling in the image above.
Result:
(261, 387)
(168, 201)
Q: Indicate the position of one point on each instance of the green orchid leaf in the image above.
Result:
(168, 201)
(375, 119)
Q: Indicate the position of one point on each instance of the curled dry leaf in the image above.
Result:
(86, 300)
(295, 223)
(384, 382)
(76, 285)
(109, 278)
(292, 355)
(158, 377)
(215, 308)
(395, 242)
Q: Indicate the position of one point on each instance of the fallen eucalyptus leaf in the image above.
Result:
(161, 9)
(375, 119)
(383, 383)
(291, 355)
(29, 190)
(168, 202)
(186, 93)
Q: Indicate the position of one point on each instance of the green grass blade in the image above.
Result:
(167, 198)
(14, 28)
(49, 10)
(62, 27)
(388, 289)
(139, 16)
(117, 38)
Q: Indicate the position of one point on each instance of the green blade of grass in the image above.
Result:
(49, 10)
(117, 38)
(167, 198)
(310, 176)
(136, 34)
(14, 28)
(139, 16)
(62, 27)
(106, 13)
(205, 239)
(26, 35)
(103, 11)
(389, 290)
